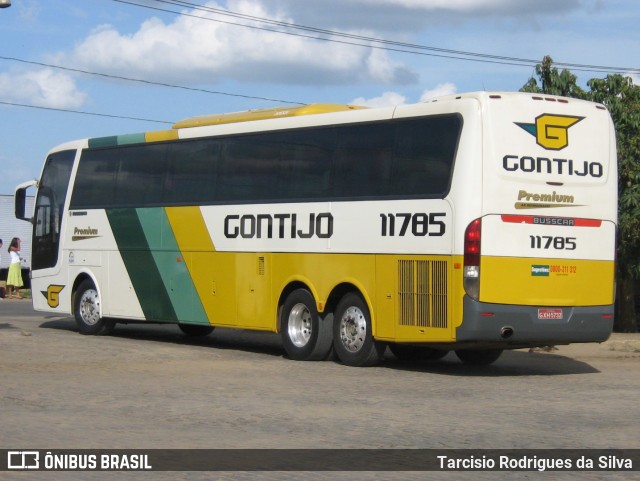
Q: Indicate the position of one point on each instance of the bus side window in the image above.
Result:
(425, 153)
(94, 185)
(362, 161)
(250, 169)
(192, 172)
(306, 164)
(140, 176)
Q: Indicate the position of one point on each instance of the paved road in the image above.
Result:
(151, 387)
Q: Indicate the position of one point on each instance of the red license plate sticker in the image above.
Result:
(549, 313)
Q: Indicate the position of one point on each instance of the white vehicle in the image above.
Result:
(476, 223)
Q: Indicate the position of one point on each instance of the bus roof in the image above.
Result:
(292, 111)
(262, 114)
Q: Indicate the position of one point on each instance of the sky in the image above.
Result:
(72, 69)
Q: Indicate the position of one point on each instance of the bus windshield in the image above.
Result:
(49, 209)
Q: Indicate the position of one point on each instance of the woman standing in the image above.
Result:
(14, 277)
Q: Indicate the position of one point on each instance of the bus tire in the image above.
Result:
(406, 352)
(87, 310)
(478, 357)
(195, 330)
(306, 336)
(353, 340)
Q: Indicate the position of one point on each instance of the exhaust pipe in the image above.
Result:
(506, 332)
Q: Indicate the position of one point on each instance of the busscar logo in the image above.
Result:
(551, 131)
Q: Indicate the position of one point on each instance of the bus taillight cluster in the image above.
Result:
(472, 238)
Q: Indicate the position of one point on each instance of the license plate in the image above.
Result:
(549, 313)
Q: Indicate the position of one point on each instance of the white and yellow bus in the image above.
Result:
(476, 223)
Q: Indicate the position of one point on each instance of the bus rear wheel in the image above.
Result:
(353, 340)
(87, 311)
(478, 357)
(305, 335)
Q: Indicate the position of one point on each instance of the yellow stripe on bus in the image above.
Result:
(196, 246)
(189, 228)
(546, 282)
(160, 135)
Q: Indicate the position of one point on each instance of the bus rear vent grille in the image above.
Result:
(422, 293)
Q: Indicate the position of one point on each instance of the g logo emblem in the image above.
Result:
(551, 131)
(53, 295)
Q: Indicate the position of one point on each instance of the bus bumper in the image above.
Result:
(511, 325)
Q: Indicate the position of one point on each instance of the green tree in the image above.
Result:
(622, 98)
(553, 82)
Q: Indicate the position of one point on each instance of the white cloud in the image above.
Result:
(417, 15)
(193, 51)
(384, 70)
(44, 88)
(28, 10)
(390, 99)
(387, 99)
(441, 4)
(440, 90)
(497, 7)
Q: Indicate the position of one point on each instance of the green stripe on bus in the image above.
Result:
(98, 142)
(171, 265)
(115, 140)
(141, 266)
(131, 139)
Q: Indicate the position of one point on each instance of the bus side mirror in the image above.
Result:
(21, 200)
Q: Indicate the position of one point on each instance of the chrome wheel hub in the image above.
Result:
(300, 325)
(90, 307)
(353, 329)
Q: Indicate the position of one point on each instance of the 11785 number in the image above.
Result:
(419, 224)
(550, 242)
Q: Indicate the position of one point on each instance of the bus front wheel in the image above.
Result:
(87, 310)
(353, 340)
(305, 335)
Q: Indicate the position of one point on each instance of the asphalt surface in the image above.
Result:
(150, 387)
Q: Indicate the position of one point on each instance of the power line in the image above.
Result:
(327, 32)
(39, 107)
(372, 42)
(143, 81)
(353, 39)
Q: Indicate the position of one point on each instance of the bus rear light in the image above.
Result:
(471, 272)
(472, 237)
(472, 287)
(472, 244)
